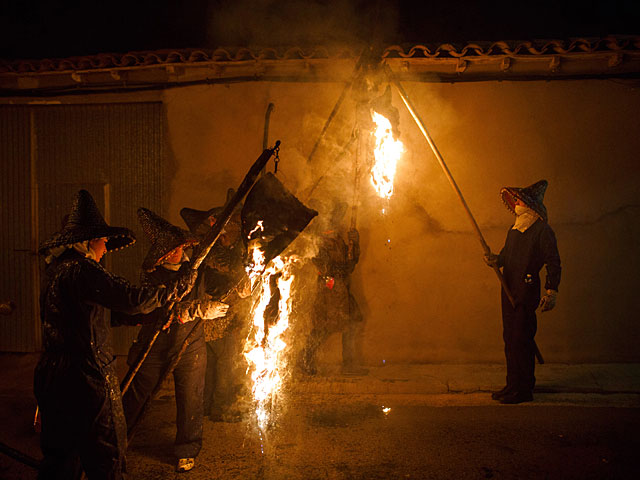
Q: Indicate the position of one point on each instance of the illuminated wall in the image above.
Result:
(427, 295)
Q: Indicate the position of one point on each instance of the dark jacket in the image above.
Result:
(334, 306)
(72, 305)
(333, 258)
(169, 341)
(75, 381)
(522, 258)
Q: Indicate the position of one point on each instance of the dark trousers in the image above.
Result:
(223, 380)
(83, 428)
(189, 384)
(519, 327)
(351, 335)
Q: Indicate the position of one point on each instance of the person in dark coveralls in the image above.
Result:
(223, 274)
(530, 244)
(335, 309)
(163, 263)
(75, 384)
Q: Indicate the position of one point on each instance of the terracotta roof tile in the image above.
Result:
(228, 56)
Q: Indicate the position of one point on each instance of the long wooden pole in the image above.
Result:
(203, 249)
(447, 172)
(336, 107)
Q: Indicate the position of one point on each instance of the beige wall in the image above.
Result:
(429, 297)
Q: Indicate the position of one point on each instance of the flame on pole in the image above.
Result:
(387, 151)
(265, 347)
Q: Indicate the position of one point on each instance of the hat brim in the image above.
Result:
(511, 194)
(117, 237)
(157, 252)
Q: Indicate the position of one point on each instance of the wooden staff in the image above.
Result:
(336, 107)
(204, 248)
(453, 183)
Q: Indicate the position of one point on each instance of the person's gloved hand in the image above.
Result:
(491, 259)
(548, 301)
(186, 282)
(210, 309)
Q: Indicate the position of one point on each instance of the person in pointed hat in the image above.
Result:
(530, 244)
(223, 274)
(161, 266)
(75, 384)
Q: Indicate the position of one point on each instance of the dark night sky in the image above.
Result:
(61, 28)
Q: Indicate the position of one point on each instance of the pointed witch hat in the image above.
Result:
(164, 236)
(532, 196)
(85, 222)
(195, 218)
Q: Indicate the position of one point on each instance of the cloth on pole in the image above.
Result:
(273, 216)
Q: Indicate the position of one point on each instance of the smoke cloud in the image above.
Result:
(300, 22)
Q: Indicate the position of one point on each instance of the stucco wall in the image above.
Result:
(427, 295)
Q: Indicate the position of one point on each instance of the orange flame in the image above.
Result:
(387, 152)
(264, 351)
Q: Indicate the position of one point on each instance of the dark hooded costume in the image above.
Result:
(221, 275)
(189, 372)
(335, 309)
(83, 426)
(530, 244)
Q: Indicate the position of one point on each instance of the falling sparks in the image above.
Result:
(387, 152)
(265, 347)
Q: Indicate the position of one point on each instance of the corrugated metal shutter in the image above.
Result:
(116, 151)
(20, 331)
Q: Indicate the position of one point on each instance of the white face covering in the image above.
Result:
(519, 209)
(84, 249)
(525, 217)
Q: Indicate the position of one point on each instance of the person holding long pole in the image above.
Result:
(510, 393)
(530, 244)
(162, 264)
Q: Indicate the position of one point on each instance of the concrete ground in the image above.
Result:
(399, 421)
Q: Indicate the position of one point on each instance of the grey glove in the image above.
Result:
(548, 301)
(491, 259)
(210, 309)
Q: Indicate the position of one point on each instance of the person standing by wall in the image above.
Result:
(530, 244)
(75, 384)
(335, 309)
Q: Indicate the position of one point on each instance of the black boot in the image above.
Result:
(501, 393)
(516, 397)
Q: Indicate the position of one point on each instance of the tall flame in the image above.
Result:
(387, 152)
(264, 350)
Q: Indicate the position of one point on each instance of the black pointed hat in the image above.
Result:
(165, 237)
(194, 218)
(85, 222)
(532, 196)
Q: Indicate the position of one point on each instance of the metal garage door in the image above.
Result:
(116, 151)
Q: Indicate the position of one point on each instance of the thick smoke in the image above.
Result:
(300, 22)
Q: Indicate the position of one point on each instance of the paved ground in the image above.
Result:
(584, 423)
